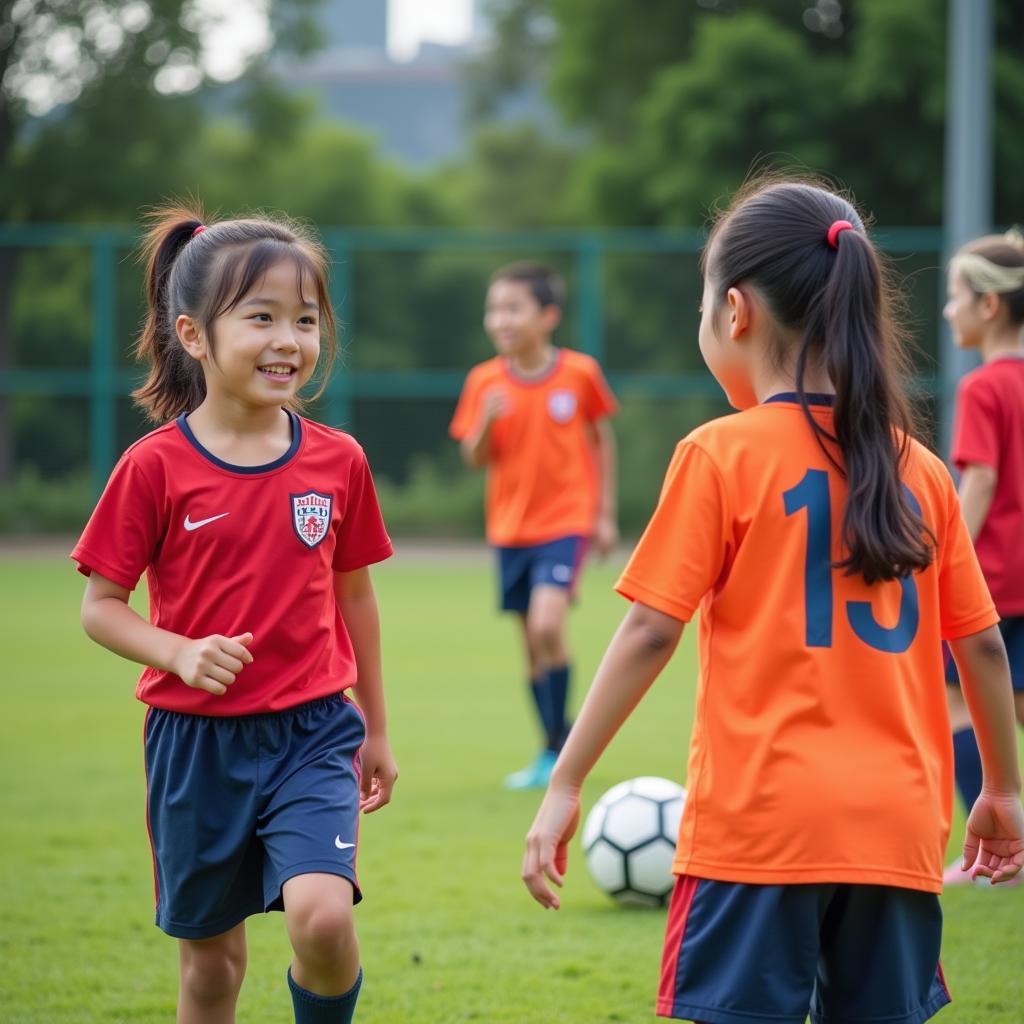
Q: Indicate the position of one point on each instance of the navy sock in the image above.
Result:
(967, 766)
(558, 685)
(313, 1009)
(541, 692)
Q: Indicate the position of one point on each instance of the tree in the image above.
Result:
(678, 100)
(100, 113)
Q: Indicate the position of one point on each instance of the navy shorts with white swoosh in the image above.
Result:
(238, 805)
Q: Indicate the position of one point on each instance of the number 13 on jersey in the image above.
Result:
(812, 494)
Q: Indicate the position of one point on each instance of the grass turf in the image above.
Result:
(448, 932)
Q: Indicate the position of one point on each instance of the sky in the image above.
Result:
(237, 30)
(440, 21)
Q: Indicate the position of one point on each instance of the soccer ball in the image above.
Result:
(629, 839)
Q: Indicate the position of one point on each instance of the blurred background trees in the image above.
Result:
(571, 114)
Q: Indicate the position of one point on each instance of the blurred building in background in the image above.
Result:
(415, 109)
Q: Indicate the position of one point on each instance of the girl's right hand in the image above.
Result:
(212, 663)
(994, 844)
(547, 844)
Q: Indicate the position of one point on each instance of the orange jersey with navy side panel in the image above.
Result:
(543, 481)
(821, 746)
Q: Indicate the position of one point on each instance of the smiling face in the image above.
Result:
(516, 322)
(265, 348)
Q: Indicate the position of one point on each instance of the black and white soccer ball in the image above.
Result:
(629, 839)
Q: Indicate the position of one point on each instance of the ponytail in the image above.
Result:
(174, 383)
(203, 271)
(832, 291)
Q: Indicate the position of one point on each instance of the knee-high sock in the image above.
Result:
(313, 1009)
(541, 693)
(967, 766)
(558, 685)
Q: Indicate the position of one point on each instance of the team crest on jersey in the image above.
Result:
(562, 406)
(311, 516)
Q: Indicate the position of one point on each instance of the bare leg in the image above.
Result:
(545, 626)
(210, 977)
(959, 716)
(318, 914)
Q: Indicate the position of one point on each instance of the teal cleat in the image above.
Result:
(535, 775)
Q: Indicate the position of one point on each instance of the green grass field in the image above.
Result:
(447, 929)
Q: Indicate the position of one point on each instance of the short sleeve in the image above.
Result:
(683, 551)
(467, 411)
(976, 426)
(124, 530)
(965, 605)
(598, 400)
(362, 539)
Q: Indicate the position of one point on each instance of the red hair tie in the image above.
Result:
(833, 232)
(202, 227)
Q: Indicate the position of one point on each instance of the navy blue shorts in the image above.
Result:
(1012, 629)
(239, 805)
(846, 954)
(555, 563)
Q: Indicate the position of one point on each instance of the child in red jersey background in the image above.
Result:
(986, 313)
(255, 527)
(825, 550)
(537, 417)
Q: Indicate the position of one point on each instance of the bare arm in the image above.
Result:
(606, 531)
(977, 489)
(476, 449)
(995, 826)
(358, 604)
(210, 663)
(640, 649)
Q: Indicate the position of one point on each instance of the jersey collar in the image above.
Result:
(245, 470)
(810, 397)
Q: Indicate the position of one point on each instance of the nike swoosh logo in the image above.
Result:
(342, 846)
(190, 526)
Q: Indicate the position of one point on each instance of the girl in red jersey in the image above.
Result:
(255, 527)
(986, 313)
(826, 552)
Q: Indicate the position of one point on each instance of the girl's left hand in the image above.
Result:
(547, 844)
(378, 775)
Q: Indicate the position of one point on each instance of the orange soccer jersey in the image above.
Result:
(821, 747)
(542, 479)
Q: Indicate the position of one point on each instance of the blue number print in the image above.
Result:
(812, 494)
(897, 639)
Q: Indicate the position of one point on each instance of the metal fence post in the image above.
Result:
(102, 375)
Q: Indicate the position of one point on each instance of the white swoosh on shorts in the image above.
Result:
(342, 846)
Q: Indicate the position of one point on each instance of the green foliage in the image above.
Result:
(447, 931)
(433, 503)
(677, 101)
(31, 505)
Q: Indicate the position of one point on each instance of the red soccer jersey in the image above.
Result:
(542, 479)
(989, 430)
(235, 549)
(821, 748)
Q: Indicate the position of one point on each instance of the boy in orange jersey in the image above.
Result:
(536, 416)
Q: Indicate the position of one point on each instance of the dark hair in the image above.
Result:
(545, 285)
(774, 238)
(1004, 251)
(204, 276)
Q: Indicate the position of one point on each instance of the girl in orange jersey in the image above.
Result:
(827, 554)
